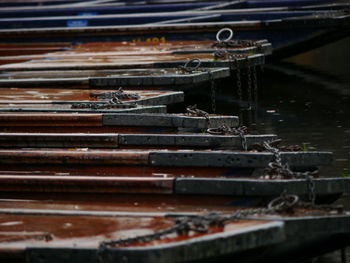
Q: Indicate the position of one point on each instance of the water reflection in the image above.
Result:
(311, 110)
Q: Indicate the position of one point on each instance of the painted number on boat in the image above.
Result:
(151, 40)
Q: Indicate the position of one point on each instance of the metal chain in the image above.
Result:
(238, 81)
(278, 169)
(224, 130)
(111, 104)
(311, 189)
(235, 43)
(255, 84)
(213, 96)
(249, 84)
(119, 94)
(201, 223)
(225, 54)
(194, 111)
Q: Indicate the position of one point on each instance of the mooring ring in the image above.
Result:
(189, 69)
(284, 201)
(215, 131)
(218, 34)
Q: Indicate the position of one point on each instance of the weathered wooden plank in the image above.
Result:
(169, 120)
(259, 187)
(192, 140)
(238, 159)
(114, 140)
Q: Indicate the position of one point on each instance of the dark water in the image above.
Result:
(305, 100)
(311, 96)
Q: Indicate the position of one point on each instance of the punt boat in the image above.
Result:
(140, 228)
(108, 78)
(158, 18)
(128, 7)
(123, 61)
(79, 98)
(287, 36)
(240, 48)
(116, 122)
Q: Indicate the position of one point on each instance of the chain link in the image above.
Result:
(213, 96)
(224, 130)
(238, 81)
(255, 84)
(237, 43)
(277, 169)
(192, 110)
(113, 103)
(249, 85)
(311, 189)
(226, 55)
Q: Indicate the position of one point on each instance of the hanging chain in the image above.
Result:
(238, 81)
(249, 84)
(277, 169)
(224, 130)
(194, 111)
(213, 95)
(255, 84)
(311, 189)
